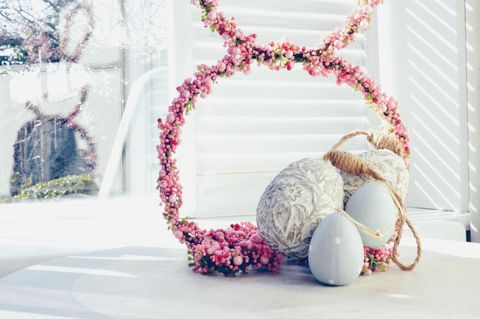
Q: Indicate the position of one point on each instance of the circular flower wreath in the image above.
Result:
(240, 247)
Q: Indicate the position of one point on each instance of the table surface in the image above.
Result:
(155, 282)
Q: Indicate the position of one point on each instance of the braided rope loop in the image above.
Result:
(354, 165)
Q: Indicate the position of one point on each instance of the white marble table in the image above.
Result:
(141, 282)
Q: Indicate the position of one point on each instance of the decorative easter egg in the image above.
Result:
(335, 255)
(295, 202)
(391, 166)
(373, 206)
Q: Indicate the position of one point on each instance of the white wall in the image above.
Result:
(422, 63)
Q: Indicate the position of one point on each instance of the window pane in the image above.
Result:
(62, 91)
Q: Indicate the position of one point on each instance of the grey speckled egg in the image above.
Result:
(336, 253)
(295, 202)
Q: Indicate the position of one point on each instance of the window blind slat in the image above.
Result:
(293, 90)
(279, 19)
(294, 125)
(282, 107)
(215, 163)
(266, 143)
(305, 6)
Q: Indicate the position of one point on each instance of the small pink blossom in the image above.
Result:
(212, 15)
(238, 260)
(178, 234)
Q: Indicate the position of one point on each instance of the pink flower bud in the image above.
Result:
(212, 15)
(238, 260)
(264, 260)
(257, 239)
(170, 118)
(220, 236)
(364, 24)
(179, 234)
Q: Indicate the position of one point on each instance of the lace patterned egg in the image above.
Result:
(295, 202)
(386, 162)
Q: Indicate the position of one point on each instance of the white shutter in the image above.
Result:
(252, 126)
(424, 65)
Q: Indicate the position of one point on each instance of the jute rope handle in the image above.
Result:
(352, 164)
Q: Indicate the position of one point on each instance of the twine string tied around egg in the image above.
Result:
(354, 165)
(362, 227)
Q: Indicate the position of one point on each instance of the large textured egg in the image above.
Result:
(335, 255)
(295, 202)
(373, 206)
(391, 166)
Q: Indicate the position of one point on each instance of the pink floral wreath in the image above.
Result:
(240, 247)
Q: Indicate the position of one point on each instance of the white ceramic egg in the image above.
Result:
(391, 166)
(335, 255)
(373, 206)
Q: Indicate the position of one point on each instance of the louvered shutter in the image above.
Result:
(254, 125)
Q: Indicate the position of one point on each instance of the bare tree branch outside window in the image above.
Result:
(30, 30)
